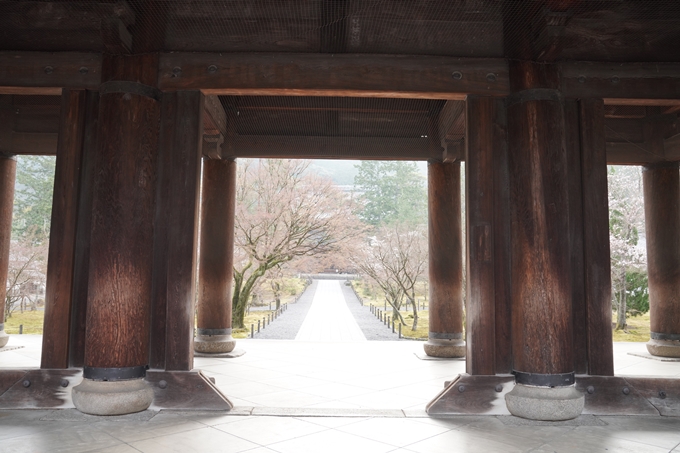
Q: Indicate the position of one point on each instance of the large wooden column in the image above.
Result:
(445, 338)
(8, 168)
(121, 249)
(661, 184)
(216, 263)
(542, 342)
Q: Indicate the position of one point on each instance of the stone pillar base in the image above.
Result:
(4, 338)
(545, 403)
(435, 347)
(664, 348)
(112, 397)
(214, 344)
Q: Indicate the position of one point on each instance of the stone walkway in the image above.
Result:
(329, 319)
(287, 325)
(327, 311)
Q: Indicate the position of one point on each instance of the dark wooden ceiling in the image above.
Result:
(590, 30)
(362, 53)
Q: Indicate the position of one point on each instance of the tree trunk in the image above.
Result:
(415, 316)
(621, 311)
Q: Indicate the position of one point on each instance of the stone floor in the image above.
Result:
(298, 396)
(329, 391)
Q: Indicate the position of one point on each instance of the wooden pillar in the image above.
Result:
(541, 291)
(661, 184)
(176, 231)
(8, 168)
(488, 282)
(542, 325)
(216, 268)
(445, 338)
(60, 263)
(597, 260)
(81, 259)
(589, 242)
(121, 249)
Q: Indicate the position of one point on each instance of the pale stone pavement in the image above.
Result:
(307, 397)
(328, 310)
(329, 319)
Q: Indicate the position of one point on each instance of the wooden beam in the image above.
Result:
(672, 148)
(316, 147)
(630, 154)
(32, 144)
(115, 34)
(359, 75)
(451, 121)
(46, 73)
(216, 118)
(623, 83)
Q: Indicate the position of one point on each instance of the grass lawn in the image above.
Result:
(638, 326)
(637, 330)
(31, 320)
(249, 319)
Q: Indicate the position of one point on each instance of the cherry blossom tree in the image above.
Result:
(626, 224)
(396, 260)
(283, 213)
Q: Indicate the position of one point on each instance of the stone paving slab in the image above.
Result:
(329, 318)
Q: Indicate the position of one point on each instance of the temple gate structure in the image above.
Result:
(140, 99)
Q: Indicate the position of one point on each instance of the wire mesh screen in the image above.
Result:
(608, 30)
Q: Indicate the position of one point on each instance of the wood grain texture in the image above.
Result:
(216, 267)
(332, 75)
(502, 240)
(26, 71)
(662, 224)
(576, 232)
(176, 230)
(8, 169)
(81, 263)
(121, 248)
(597, 262)
(541, 290)
(650, 82)
(481, 115)
(134, 68)
(63, 227)
(315, 147)
(445, 248)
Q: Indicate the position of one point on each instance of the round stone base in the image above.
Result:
(444, 348)
(112, 398)
(545, 403)
(214, 344)
(4, 338)
(664, 348)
